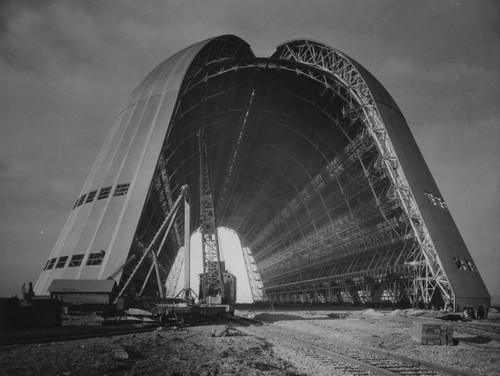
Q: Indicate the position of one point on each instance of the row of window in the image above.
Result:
(436, 200)
(76, 260)
(120, 190)
(464, 264)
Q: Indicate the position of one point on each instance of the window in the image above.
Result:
(470, 264)
(81, 200)
(61, 262)
(76, 260)
(460, 263)
(46, 264)
(96, 258)
(464, 264)
(436, 200)
(104, 193)
(91, 196)
(121, 189)
(51, 263)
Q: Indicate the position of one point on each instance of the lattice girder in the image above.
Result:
(308, 52)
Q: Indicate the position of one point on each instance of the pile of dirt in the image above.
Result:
(371, 312)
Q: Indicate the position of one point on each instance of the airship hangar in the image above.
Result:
(307, 158)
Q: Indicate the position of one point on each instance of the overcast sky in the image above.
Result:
(67, 67)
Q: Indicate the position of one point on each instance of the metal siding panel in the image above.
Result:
(140, 141)
(72, 239)
(108, 224)
(87, 233)
(442, 229)
(90, 272)
(125, 144)
(110, 150)
(70, 273)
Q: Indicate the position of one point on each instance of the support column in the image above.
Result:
(158, 277)
(187, 249)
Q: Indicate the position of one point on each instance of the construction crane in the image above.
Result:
(212, 284)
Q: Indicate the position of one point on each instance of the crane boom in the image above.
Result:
(212, 282)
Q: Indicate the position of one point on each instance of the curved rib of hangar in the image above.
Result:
(312, 164)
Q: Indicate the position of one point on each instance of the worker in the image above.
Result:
(480, 312)
(466, 314)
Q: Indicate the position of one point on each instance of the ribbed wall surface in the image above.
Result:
(129, 156)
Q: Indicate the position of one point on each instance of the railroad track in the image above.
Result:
(489, 329)
(342, 358)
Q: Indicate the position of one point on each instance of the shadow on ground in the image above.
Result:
(273, 317)
(475, 340)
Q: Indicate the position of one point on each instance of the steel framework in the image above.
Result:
(312, 164)
(153, 250)
(429, 274)
(173, 276)
(423, 261)
(254, 278)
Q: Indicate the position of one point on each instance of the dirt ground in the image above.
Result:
(166, 351)
(199, 350)
(474, 352)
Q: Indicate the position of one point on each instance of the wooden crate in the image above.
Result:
(432, 334)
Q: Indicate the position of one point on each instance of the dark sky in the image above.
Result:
(67, 67)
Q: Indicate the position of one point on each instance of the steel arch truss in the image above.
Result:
(428, 273)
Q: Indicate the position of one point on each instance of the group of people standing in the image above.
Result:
(480, 314)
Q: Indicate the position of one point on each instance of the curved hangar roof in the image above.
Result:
(312, 164)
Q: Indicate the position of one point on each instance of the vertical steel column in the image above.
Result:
(158, 277)
(146, 280)
(187, 249)
(254, 278)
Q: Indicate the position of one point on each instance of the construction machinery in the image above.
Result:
(217, 293)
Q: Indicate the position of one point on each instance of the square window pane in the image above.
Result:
(104, 193)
